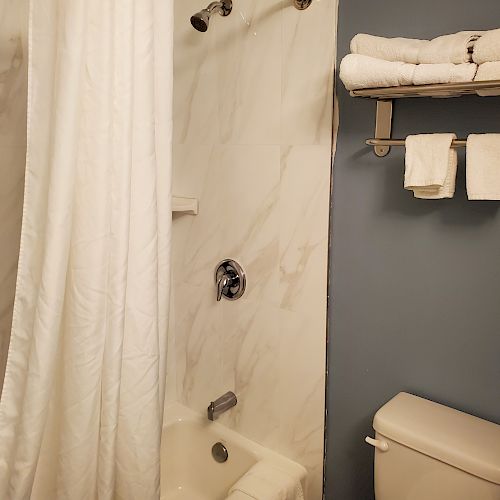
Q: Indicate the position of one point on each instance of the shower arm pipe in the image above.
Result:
(299, 4)
(218, 7)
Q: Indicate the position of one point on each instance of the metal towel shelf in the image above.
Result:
(437, 90)
(382, 141)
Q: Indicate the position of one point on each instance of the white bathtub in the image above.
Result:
(189, 471)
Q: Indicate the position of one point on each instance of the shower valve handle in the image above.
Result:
(230, 280)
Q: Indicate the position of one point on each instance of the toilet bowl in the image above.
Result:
(427, 451)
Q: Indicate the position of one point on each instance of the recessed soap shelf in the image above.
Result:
(383, 140)
(181, 204)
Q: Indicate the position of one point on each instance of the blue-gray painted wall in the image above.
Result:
(415, 285)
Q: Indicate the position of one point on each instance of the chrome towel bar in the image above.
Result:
(458, 143)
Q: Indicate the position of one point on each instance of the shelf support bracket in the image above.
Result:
(383, 125)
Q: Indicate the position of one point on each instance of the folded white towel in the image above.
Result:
(488, 71)
(483, 167)
(361, 72)
(455, 48)
(431, 166)
(487, 48)
(267, 481)
(389, 49)
(443, 73)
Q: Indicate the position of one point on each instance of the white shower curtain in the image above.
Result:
(81, 408)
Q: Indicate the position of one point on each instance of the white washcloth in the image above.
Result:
(487, 48)
(362, 72)
(455, 48)
(431, 166)
(483, 167)
(267, 481)
(488, 71)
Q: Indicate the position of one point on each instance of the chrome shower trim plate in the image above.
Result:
(302, 4)
(227, 7)
(236, 282)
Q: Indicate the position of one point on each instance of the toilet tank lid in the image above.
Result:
(456, 438)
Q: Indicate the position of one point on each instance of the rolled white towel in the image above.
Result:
(483, 172)
(443, 73)
(267, 480)
(389, 49)
(431, 166)
(454, 48)
(362, 72)
(487, 48)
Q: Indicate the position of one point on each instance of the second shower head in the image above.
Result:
(201, 20)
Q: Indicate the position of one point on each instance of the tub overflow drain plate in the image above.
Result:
(219, 452)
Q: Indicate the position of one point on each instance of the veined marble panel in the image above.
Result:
(249, 72)
(257, 154)
(13, 99)
(251, 347)
(304, 196)
(307, 75)
(195, 91)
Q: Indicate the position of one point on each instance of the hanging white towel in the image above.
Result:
(455, 48)
(267, 481)
(431, 165)
(487, 48)
(483, 167)
(362, 72)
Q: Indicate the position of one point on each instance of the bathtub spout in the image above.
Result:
(221, 405)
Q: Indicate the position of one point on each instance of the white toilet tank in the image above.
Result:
(433, 452)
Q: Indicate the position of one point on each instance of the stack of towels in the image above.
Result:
(487, 55)
(431, 166)
(390, 62)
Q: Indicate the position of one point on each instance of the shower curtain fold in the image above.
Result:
(82, 403)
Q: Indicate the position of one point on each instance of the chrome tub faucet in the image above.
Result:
(221, 405)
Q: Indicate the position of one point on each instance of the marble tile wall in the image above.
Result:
(13, 98)
(252, 140)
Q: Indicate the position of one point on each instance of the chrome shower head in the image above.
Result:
(201, 20)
